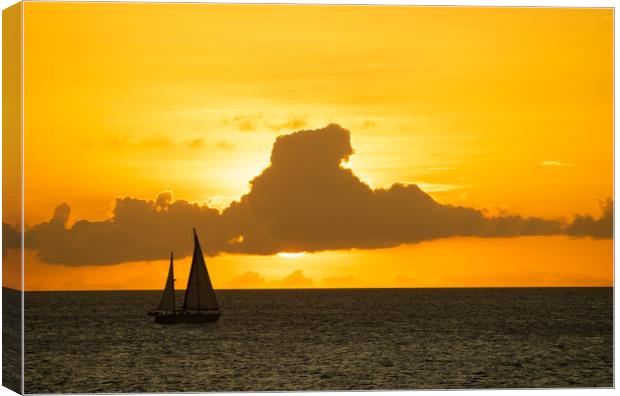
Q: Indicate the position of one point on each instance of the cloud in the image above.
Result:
(163, 200)
(603, 227)
(247, 280)
(138, 230)
(253, 122)
(245, 123)
(11, 238)
(554, 163)
(200, 143)
(295, 280)
(196, 143)
(305, 200)
(367, 124)
(290, 124)
(254, 280)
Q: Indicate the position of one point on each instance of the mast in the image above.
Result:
(172, 276)
(195, 267)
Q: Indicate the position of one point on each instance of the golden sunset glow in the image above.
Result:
(505, 110)
(291, 255)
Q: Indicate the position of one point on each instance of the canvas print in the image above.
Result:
(235, 197)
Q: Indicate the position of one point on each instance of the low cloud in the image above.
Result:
(295, 280)
(603, 227)
(303, 201)
(254, 280)
(138, 230)
(247, 280)
(11, 238)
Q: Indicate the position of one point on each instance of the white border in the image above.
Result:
(484, 3)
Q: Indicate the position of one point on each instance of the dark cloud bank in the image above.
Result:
(304, 201)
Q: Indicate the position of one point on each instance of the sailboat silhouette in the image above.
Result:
(199, 304)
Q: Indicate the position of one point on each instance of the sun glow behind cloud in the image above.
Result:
(291, 255)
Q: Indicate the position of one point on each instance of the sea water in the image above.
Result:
(322, 340)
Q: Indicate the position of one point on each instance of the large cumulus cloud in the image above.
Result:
(303, 201)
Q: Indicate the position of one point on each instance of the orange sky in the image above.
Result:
(504, 109)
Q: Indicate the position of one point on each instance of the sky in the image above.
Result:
(505, 112)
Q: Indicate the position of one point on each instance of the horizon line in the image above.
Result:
(325, 288)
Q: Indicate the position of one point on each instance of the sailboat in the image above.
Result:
(199, 304)
(167, 302)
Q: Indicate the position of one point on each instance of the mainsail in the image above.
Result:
(199, 295)
(167, 299)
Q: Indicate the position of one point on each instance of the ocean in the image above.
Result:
(276, 340)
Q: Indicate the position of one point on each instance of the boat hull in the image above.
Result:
(188, 317)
